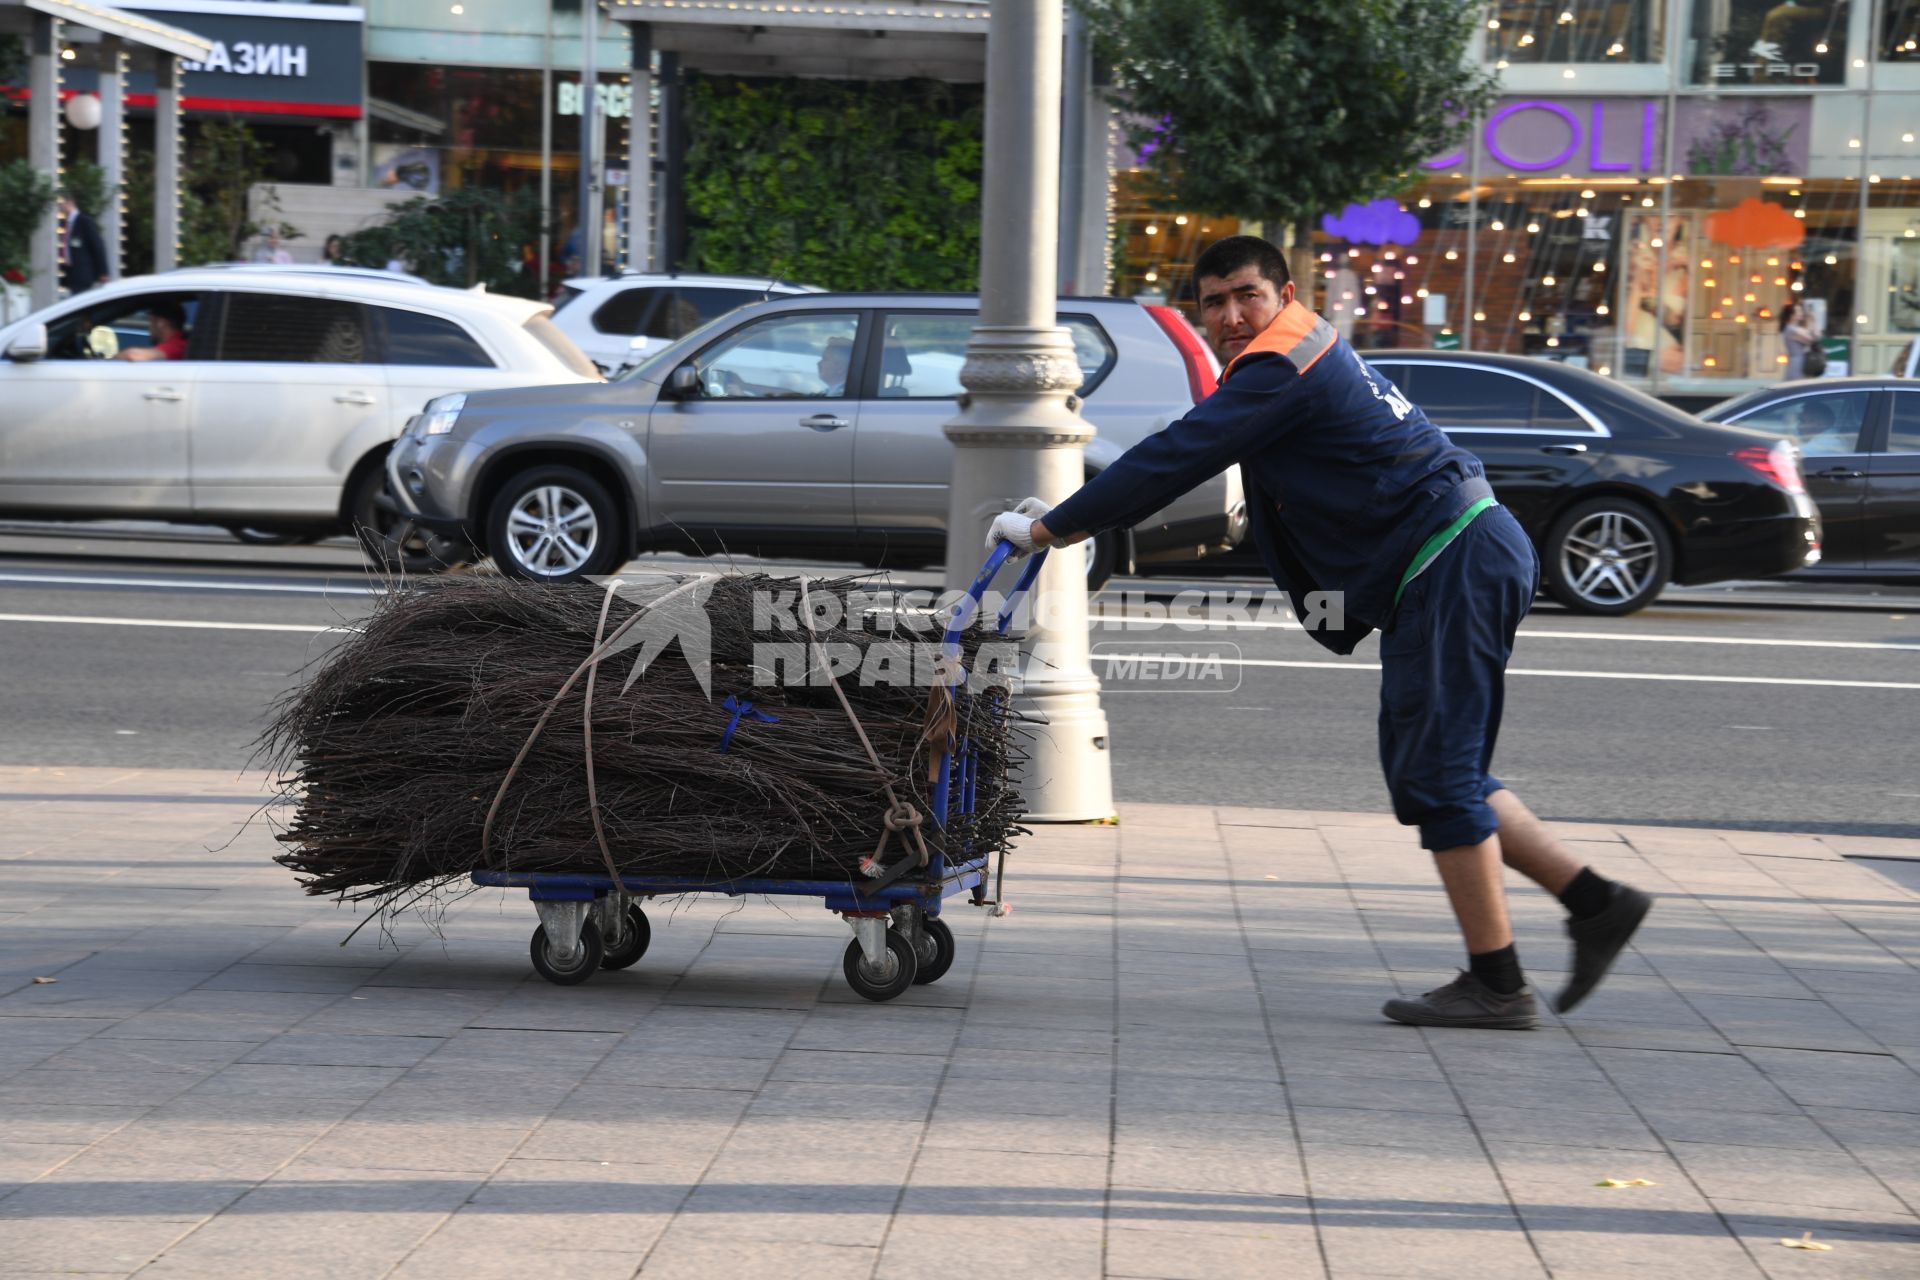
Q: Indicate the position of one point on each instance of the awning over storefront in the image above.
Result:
(938, 39)
(116, 40)
(135, 28)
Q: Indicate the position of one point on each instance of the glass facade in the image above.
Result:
(1661, 189)
(487, 93)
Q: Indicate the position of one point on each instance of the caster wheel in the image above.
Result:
(632, 942)
(578, 968)
(938, 956)
(886, 981)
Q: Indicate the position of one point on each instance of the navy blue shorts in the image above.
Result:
(1443, 674)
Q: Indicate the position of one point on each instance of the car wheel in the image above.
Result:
(1103, 557)
(1607, 556)
(554, 524)
(394, 544)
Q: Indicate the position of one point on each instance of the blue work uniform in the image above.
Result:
(1351, 490)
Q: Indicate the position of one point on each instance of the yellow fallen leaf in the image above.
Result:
(41, 982)
(1626, 1182)
(1806, 1241)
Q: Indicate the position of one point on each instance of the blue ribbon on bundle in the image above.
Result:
(741, 709)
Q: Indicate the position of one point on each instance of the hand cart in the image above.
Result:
(590, 922)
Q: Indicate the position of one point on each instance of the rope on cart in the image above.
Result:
(586, 738)
(901, 816)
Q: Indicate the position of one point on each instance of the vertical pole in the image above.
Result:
(640, 153)
(1473, 237)
(1073, 150)
(1019, 430)
(672, 134)
(1855, 362)
(43, 151)
(166, 162)
(546, 157)
(587, 209)
(113, 147)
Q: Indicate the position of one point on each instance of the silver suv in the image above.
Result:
(807, 426)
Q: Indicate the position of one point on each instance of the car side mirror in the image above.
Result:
(31, 344)
(684, 383)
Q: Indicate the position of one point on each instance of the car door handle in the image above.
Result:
(1563, 448)
(162, 393)
(824, 422)
(1839, 473)
(354, 397)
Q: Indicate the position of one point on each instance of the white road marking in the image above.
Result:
(311, 629)
(1197, 626)
(1190, 659)
(305, 628)
(194, 584)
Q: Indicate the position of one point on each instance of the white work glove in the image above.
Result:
(1016, 526)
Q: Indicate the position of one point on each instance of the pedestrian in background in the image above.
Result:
(83, 254)
(1352, 491)
(333, 252)
(1796, 339)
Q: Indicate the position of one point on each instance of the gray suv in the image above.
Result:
(807, 426)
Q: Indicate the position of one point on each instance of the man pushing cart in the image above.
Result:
(1351, 490)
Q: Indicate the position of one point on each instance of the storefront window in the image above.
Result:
(1155, 244)
(1900, 30)
(1769, 42)
(1617, 31)
(1393, 273)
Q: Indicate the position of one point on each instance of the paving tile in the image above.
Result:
(1830, 1179)
(87, 1244)
(693, 1256)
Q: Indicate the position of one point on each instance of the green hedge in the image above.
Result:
(849, 185)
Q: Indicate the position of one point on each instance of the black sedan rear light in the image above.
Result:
(1779, 463)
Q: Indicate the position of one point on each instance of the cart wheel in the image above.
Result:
(939, 955)
(632, 942)
(886, 983)
(586, 957)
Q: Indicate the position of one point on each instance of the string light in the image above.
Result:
(1547, 281)
(1498, 225)
(1525, 316)
(1601, 310)
(1452, 255)
(1533, 228)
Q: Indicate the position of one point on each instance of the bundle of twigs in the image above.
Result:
(410, 734)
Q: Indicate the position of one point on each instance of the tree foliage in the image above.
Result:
(26, 194)
(849, 185)
(463, 237)
(1276, 109)
(87, 183)
(223, 162)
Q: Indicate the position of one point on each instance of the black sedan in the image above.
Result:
(1620, 493)
(1860, 444)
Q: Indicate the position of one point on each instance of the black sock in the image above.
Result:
(1586, 895)
(1498, 971)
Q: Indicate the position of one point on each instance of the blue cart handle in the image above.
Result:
(996, 559)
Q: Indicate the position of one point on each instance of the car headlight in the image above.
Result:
(438, 417)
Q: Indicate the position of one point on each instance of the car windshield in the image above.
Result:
(657, 366)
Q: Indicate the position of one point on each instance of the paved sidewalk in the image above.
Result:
(1167, 1063)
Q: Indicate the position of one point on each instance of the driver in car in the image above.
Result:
(167, 329)
(1821, 434)
(835, 360)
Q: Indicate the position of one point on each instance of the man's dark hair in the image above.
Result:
(172, 312)
(1224, 257)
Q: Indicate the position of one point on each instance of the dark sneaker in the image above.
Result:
(1598, 940)
(1467, 1002)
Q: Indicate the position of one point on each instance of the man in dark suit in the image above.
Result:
(83, 254)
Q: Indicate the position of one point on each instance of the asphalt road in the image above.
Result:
(1781, 706)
